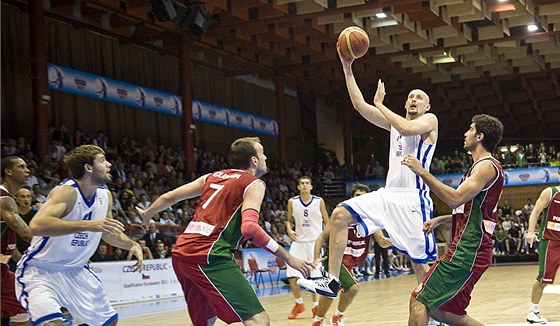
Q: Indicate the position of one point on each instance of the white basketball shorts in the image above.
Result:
(303, 250)
(44, 292)
(402, 212)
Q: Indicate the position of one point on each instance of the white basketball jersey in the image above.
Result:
(399, 175)
(70, 250)
(308, 218)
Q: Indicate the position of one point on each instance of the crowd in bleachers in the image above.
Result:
(144, 170)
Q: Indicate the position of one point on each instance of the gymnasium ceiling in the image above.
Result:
(499, 67)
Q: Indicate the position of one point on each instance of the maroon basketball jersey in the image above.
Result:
(356, 249)
(8, 240)
(474, 222)
(215, 230)
(550, 226)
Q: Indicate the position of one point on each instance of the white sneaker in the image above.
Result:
(327, 285)
(535, 318)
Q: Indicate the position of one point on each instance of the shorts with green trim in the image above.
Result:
(549, 260)
(217, 289)
(447, 287)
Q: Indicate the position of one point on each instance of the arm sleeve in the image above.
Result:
(251, 230)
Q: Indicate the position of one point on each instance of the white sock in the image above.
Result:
(315, 304)
(340, 313)
(299, 300)
(317, 318)
(534, 307)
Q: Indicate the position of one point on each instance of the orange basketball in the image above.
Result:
(353, 42)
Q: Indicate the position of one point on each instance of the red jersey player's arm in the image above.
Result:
(540, 205)
(10, 215)
(186, 191)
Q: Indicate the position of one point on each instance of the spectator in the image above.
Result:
(119, 254)
(143, 202)
(521, 157)
(152, 237)
(101, 254)
(100, 140)
(138, 189)
(161, 251)
(38, 196)
(436, 167)
(513, 243)
(528, 207)
(145, 250)
(378, 170)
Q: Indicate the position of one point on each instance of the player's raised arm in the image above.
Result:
(368, 111)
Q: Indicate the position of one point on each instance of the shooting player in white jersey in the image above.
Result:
(54, 273)
(404, 205)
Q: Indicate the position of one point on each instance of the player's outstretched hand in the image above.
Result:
(429, 226)
(346, 62)
(142, 213)
(107, 225)
(300, 265)
(413, 163)
(380, 93)
(136, 251)
(531, 237)
(382, 240)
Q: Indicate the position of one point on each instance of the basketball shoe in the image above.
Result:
(534, 317)
(327, 285)
(314, 311)
(318, 323)
(296, 310)
(337, 320)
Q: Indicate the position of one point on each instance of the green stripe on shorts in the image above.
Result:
(444, 282)
(346, 279)
(543, 248)
(234, 287)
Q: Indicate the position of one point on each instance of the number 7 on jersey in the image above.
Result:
(216, 187)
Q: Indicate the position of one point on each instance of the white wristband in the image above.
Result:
(272, 245)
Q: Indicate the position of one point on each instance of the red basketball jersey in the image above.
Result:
(550, 225)
(215, 230)
(356, 249)
(8, 240)
(474, 222)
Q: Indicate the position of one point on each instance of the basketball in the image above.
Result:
(353, 42)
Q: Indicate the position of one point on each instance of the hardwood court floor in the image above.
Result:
(501, 297)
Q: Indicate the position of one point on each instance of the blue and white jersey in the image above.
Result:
(70, 250)
(399, 175)
(308, 219)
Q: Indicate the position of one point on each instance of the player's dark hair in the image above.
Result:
(492, 129)
(8, 163)
(304, 177)
(77, 158)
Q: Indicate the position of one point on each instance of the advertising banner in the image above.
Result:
(156, 281)
(110, 90)
(513, 177)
